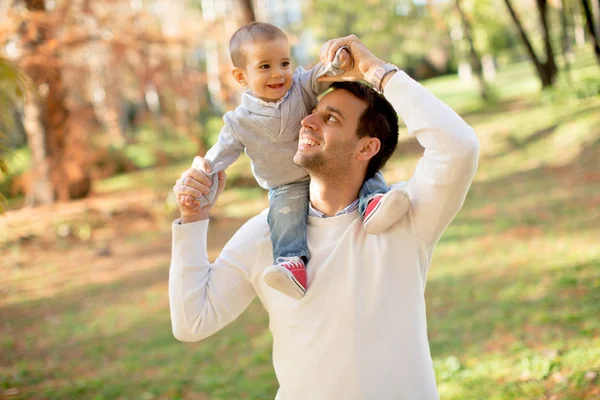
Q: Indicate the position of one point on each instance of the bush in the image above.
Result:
(565, 91)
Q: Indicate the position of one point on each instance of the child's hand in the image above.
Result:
(201, 164)
(193, 184)
(364, 64)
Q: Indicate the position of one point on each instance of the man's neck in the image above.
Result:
(331, 197)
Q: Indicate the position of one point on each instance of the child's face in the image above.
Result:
(268, 71)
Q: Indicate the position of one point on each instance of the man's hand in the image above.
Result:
(365, 62)
(193, 184)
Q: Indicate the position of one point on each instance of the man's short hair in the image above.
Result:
(249, 34)
(378, 120)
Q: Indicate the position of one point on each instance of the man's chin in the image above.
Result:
(297, 159)
(308, 162)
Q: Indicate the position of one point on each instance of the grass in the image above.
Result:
(513, 295)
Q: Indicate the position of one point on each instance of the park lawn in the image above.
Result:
(513, 295)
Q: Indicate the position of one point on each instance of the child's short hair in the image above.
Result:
(248, 34)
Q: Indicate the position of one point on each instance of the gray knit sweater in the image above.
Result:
(268, 135)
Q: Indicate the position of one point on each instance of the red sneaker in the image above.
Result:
(287, 276)
(384, 210)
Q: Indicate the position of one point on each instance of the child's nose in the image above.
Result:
(277, 71)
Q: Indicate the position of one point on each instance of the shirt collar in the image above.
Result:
(274, 104)
(313, 212)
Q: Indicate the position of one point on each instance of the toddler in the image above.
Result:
(266, 126)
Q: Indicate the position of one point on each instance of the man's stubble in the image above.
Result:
(331, 165)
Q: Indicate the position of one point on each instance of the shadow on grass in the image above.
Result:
(145, 361)
(506, 309)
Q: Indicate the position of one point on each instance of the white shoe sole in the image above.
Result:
(389, 211)
(283, 281)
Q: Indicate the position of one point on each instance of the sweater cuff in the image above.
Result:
(189, 242)
(400, 91)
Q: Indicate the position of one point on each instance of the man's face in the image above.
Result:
(268, 71)
(328, 141)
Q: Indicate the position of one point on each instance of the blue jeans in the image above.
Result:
(288, 213)
(369, 188)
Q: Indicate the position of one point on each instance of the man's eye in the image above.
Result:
(331, 118)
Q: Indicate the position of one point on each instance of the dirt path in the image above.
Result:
(55, 249)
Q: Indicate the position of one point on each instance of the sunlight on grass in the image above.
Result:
(513, 295)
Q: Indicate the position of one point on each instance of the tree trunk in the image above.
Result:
(40, 188)
(589, 18)
(550, 64)
(566, 38)
(61, 156)
(475, 59)
(546, 71)
(248, 11)
(579, 30)
(213, 65)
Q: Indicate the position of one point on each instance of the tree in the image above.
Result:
(474, 57)
(565, 34)
(12, 90)
(546, 70)
(85, 60)
(592, 29)
(58, 164)
(406, 33)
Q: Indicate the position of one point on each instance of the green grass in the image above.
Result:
(513, 296)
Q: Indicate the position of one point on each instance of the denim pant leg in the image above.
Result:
(288, 214)
(370, 187)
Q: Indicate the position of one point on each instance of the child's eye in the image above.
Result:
(285, 64)
(264, 66)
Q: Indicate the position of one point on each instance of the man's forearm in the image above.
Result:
(437, 127)
(204, 297)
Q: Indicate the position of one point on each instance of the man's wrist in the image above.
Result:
(381, 74)
(386, 79)
(368, 76)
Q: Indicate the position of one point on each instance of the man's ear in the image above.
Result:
(239, 76)
(368, 147)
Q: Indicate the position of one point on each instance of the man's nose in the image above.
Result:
(309, 122)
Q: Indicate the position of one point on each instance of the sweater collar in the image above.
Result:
(272, 104)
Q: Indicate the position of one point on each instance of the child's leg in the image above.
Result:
(287, 220)
(379, 207)
(369, 188)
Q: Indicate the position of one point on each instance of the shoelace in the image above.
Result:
(289, 261)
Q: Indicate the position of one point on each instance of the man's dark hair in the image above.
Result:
(378, 120)
(248, 34)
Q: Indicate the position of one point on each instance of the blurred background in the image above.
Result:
(104, 104)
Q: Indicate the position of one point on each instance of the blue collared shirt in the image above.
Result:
(313, 212)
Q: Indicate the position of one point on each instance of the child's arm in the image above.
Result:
(309, 83)
(227, 149)
(308, 79)
(224, 153)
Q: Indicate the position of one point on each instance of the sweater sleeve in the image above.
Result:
(227, 149)
(308, 81)
(205, 297)
(444, 174)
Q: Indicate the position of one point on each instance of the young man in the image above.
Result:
(360, 331)
(265, 126)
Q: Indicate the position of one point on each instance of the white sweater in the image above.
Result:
(360, 332)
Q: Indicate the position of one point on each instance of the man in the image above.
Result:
(360, 331)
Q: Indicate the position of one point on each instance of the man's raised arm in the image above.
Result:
(443, 175)
(205, 297)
